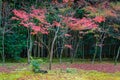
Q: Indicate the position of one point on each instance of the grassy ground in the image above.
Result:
(60, 75)
(79, 70)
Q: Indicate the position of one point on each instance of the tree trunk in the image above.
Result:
(61, 56)
(3, 48)
(117, 55)
(51, 51)
(96, 47)
(30, 46)
(75, 52)
(100, 53)
(109, 50)
(83, 55)
(52, 47)
(101, 46)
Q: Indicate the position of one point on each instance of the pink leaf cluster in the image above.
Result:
(80, 24)
(27, 20)
(21, 14)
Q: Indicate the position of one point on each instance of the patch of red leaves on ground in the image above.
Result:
(8, 69)
(105, 67)
(102, 67)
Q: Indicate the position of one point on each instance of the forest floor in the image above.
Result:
(64, 71)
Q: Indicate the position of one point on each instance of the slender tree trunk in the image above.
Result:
(83, 55)
(109, 50)
(35, 47)
(61, 56)
(101, 46)
(114, 51)
(3, 48)
(51, 52)
(94, 56)
(35, 50)
(42, 51)
(29, 46)
(75, 52)
(52, 47)
(61, 51)
(28, 58)
(42, 48)
(39, 49)
(100, 53)
(117, 55)
(71, 54)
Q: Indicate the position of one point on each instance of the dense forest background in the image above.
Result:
(101, 44)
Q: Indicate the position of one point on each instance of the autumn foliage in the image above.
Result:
(27, 20)
(80, 24)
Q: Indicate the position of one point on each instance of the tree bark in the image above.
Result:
(2, 26)
(117, 55)
(3, 46)
(94, 56)
(29, 46)
(52, 47)
(83, 55)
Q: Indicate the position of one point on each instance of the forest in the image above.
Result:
(59, 39)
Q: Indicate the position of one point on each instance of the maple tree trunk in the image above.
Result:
(109, 50)
(83, 55)
(61, 56)
(75, 52)
(39, 51)
(114, 48)
(30, 46)
(117, 55)
(61, 52)
(3, 46)
(35, 50)
(96, 47)
(51, 52)
(101, 54)
(101, 47)
(52, 47)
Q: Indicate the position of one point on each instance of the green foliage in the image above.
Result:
(16, 42)
(35, 64)
(80, 13)
(52, 15)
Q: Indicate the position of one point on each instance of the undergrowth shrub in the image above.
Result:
(35, 64)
